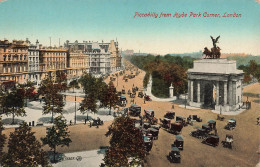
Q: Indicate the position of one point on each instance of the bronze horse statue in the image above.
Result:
(213, 54)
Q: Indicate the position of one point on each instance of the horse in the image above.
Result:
(207, 53)
(216, 52)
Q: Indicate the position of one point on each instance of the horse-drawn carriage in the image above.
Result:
(147, 98)
(221, 118)
(228, 141)
(140, 94)
(96, 122)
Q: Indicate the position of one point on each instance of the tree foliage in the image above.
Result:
(74, 84)
(24, 150)
(13, 103)
(127, 144)
(57, 135)
(94, 89)
(2, 139)
(53, 100)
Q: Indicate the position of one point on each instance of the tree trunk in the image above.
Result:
(54, 153)
(13, 117)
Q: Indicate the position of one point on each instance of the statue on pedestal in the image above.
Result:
(214, 53)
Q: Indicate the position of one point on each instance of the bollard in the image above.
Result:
(32, 123)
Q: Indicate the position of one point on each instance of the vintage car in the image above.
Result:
(170, 115)
(147, 98)
(231, 124)
(211, 140)
(176, 127)
(123, 91)
(148, 143)
(122, 101)
(154, 132)
(124, 111)
(140, 94)
(134, 110)
(212, 124)
(182, 120)
(206, 127)
(228, 142)
(199, 133)
(178, 142)
(149, 113)
(174, 156)
(96, 122)
(166, 123)
(194, 118)
(221, 118)
(147, 125)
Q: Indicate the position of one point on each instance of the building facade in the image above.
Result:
(13, 61)
(103, 57)
(33, 63)
(78, 63)
(52, 59)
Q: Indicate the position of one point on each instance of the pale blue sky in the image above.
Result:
(97, 20)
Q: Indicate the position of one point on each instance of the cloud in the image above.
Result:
(258, 1)
(2, 1)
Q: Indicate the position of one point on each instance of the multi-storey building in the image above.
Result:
(52, 59)
(33, 63)
(77, 64)
(13, 61)
(103, 57)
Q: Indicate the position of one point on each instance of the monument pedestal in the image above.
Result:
(220, 75)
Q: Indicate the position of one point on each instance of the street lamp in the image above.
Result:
(185, 100)
(75, 110)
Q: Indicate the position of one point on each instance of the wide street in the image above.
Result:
(246, 134)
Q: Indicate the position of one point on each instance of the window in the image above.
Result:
(21, 57)
(24, 57)
(4, 57)
(9, 57)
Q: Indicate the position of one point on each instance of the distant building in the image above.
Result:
(33, 63)
(13, 61)
(128, 52)
(103, 57)
(78, 63)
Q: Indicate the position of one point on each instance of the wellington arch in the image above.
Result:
(215, 84)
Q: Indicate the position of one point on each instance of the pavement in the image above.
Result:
(34, 113)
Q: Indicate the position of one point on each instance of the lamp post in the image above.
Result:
(185, 100)
(75, 110)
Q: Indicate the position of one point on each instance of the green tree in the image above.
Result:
(89, 103)
(28, 90)
(110, 98)
(13, 103)
(127, 144)
(24, 150)
(53, 100)
(74, 84)
(57, 135)
(2, 139)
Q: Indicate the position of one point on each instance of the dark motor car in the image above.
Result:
(178, 142)
(174, 156)
(170, 115)
(231, 124)
(199, 133)
(211, 140)
(154, 132)
(135, 110)
(148, 143)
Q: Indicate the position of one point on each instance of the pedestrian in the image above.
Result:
(70, 122)
(144, 100)
(85, 121)
(90, 124)
(40, 100)
(173, 106)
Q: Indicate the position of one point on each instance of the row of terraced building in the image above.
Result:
(22, 61)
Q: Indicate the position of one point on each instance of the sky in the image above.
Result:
(97, 20)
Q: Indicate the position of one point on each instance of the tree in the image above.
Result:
(13, 103)
(2, 139)
(53, 100)
(74, 84)
(110, 97)
(24, 150)
(94, 89)
(127, 144)
(28, 90)
(57, 135)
